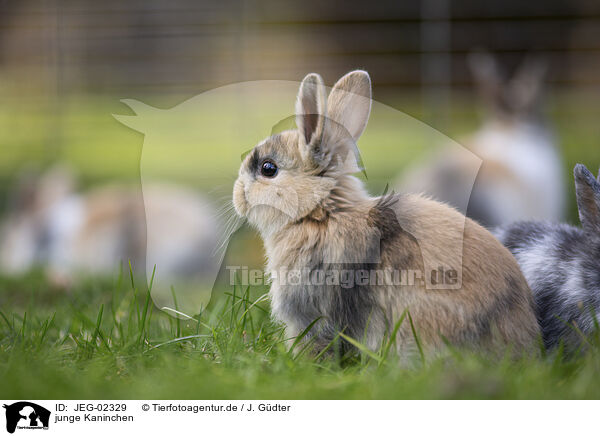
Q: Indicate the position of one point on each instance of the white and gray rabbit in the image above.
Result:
(562, 265)
(521, 173)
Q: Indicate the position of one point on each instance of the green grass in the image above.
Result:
(105, 339)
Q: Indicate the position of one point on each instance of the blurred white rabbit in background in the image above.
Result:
(521, 177)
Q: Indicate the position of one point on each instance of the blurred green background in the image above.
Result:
(65, 65)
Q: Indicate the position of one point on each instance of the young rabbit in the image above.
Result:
(521, 173)
(296, 188)
(562, 265)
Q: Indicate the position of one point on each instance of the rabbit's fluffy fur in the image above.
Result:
(314, 215)
(562, 265)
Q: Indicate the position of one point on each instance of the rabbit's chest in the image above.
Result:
(328, 292)
(323, 276)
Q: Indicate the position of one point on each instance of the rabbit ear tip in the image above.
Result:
(358, 78)
(582, 174)
(360, 72)
(313, 77)
(580, 170)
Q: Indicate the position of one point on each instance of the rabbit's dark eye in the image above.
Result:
(268, 169)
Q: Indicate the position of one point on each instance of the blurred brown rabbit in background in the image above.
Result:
(49, 224)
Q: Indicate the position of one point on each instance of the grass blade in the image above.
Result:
(417, 341)
(361, 347)
(392, 338)
(303, 334)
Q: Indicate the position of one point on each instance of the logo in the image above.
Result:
(225, 121)
(26, 415)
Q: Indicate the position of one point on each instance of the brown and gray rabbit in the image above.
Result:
(521, 172)
(67, 233)
(562, 265)
(315, 218)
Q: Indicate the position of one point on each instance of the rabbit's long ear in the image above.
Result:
(349, 105)
(526, 86)
(587, 189)
(311, 107)
(487, 76)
